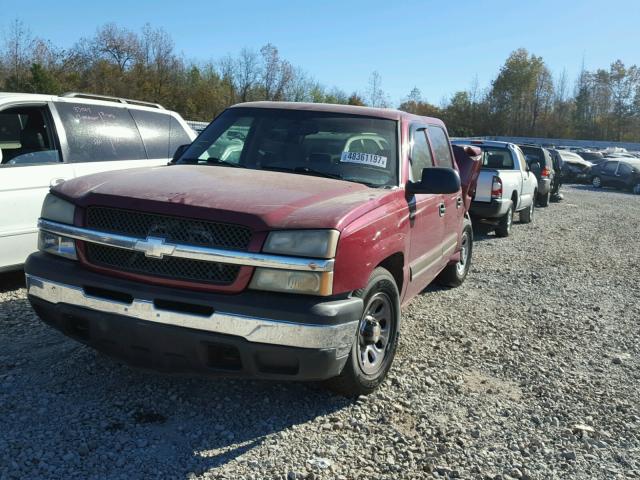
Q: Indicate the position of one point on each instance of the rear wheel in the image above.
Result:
(526, 215)
(454, 275)
(504, 225)
(376, 340)
(596, 182)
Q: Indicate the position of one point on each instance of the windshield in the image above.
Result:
(347, 147)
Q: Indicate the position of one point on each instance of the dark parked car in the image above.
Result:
(593, 157)
(623, 174)
(541, 164)
(575, 169)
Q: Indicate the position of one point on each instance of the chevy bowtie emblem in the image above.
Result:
(154, 247)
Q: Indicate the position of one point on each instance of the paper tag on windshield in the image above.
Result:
(364, 158)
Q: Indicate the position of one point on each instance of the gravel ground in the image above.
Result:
(529, 370)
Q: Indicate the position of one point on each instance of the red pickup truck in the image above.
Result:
(280, 244)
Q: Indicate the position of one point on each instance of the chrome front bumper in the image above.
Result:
(339, 337)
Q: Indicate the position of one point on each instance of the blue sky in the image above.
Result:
(439, 47)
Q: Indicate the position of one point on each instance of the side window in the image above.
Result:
(521, 159)
(27, 137)
(610, 168)
(420, 154)
(178, 136)
(154, 129)
(441, 148)
(624, 169)
(97, 133)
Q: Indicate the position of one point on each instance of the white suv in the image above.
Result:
(47, 139)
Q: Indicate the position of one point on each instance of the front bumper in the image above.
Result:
(494, 209)
(254, 333)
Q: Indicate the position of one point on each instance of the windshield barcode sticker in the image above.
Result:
(364, 158)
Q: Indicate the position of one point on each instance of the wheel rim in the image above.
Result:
(596, 182)
(464, 255)
(374, 333)
(509, 219)
(532, 209)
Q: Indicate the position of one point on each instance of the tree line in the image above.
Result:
(524, 99)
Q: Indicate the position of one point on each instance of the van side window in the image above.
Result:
(420, 154)
(27, 137)
(97, 133)
(610, 168)
(154, 130)
(440, 145)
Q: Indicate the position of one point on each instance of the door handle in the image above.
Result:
(458, 202)
(442, 209)
(56, 181)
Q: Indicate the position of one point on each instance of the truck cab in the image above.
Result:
(282, 243)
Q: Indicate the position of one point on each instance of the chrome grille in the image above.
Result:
(173, 229)
(167, 267)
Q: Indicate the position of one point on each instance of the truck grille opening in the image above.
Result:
(173, 229)
(167, 267)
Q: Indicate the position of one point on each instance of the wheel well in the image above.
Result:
(395, 264)
(514, 199)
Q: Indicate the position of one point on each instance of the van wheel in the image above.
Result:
(544, 201)
(454, 275)
(596, 182)
(376, 340)
(526, 215)
(504, 226)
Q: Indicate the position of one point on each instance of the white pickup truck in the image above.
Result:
(505, 185)
(46, 139)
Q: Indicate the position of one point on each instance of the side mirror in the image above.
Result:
(436, 180)
(178, 153)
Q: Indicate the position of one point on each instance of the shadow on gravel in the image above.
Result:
(94, 415)
(11, 281)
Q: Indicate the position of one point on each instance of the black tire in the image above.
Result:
(544, 200)
(454, 275)
(355, 380)
(596, 182)
(526, 215)
(503, 229)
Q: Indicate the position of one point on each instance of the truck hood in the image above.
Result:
(262, 200)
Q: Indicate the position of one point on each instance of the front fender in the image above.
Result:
(369, 240)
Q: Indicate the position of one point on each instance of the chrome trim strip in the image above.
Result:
(191, 252)
(253, 329)
(425, 262)
(450, 244)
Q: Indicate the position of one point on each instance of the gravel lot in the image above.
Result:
(529, 370)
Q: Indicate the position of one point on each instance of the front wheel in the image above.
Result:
(376, 340)
(454, 275)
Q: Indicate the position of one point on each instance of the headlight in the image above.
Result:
(57, 245)
(58, 210)
(303, 243)
(292, 281)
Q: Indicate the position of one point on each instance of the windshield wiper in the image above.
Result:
(318, 173)
(209, 161)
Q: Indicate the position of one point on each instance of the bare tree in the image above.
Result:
(117, 44)
(18, 45)
(246, 73)
(377, 97)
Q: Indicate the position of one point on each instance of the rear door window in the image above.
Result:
(441, 147)
(27, 137)
(155, 129)
(420, 154)
(624, 169)
(98, 133)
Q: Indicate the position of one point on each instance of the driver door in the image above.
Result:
(426, 219)
(31, 163)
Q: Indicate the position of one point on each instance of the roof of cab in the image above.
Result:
(481, 143)
(386, 113)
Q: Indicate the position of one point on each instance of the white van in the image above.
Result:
(46, 139)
